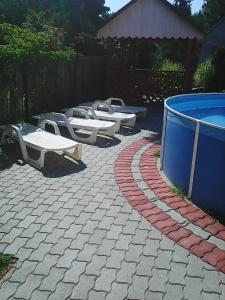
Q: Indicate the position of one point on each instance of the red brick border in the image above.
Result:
(187, 209)
(205, 250)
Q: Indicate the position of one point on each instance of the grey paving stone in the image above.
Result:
(210, 282)
(31, 230)
(106, 247)
(87, 253)
(44, 267)
(68, 257)
(7, 290)
(151, 248)
(193, 288)
(49, 226)
(93, 295)
(16, 245)
(83, 218)
(123, 242)
(55, 236)
(97, 236)
(37, 295)
(73, 274)
(25, 290)
(145, 266)
(104, 282)
(126, 272)
(166, 244)
(138, 288)
(118, 292)
(90, 227)
(130, 227)
(66, 222)
(174, 292)
(50, 282)
(27, 221)
(59, 248)
(10, 237)
(180, 255)
(140, 237)
(95, 266)
(106, 223)
(210, 296)
(195, 267)
(40, 252)
(81, 290)
(163, 259)
(98, 215)
(79, 241)
(35, 241)
(158, 281)
(63, 291)
(114, 232)
(134, 253)
(178, 273)
(115, 259)
(154, 296)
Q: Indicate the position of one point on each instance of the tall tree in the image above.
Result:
(73, 16)
(184, 6)
(213, 11)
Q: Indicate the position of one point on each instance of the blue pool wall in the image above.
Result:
(208, 191)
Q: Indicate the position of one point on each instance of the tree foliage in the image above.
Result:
(184, 6)
(213, 11)
(73, 16)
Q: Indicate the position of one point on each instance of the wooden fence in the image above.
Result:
(144, 86)
(47, 86)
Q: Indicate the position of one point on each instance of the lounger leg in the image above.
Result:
(90, 139)
(118, 125)
(76, 154)
(39, 163)
(131, 123)
(109, 132)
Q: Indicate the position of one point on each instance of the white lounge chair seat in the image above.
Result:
(93, 126)
(37, 138)
(118, 105)
(122, 107)
(108, 114)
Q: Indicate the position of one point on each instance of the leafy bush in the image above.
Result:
(204, 73)
(27, 42)
(169, 66)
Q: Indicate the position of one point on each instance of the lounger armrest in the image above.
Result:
(81, 111)
(103, 104)
(90, 111)
(110, 100)
(43, 124)
(8, 132)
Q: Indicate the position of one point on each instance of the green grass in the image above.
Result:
(157, 154)
(5, 261)
(179, 191)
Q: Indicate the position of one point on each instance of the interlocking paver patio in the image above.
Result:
(76, 236)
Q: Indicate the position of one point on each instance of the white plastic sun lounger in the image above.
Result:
(92, 126)
(38, 139)
(118, 105)
(109, 114)
(122, 107)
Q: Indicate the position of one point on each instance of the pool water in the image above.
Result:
(215, 115)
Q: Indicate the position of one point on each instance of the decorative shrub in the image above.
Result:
(169, 66)
(204, 74)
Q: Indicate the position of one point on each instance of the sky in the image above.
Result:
(117, 4)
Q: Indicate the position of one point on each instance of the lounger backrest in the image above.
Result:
(102, 105)
(110, 101)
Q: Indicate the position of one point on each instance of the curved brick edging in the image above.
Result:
(187, 209)
(198, 246)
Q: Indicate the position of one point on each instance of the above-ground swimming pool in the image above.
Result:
(193, 148)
